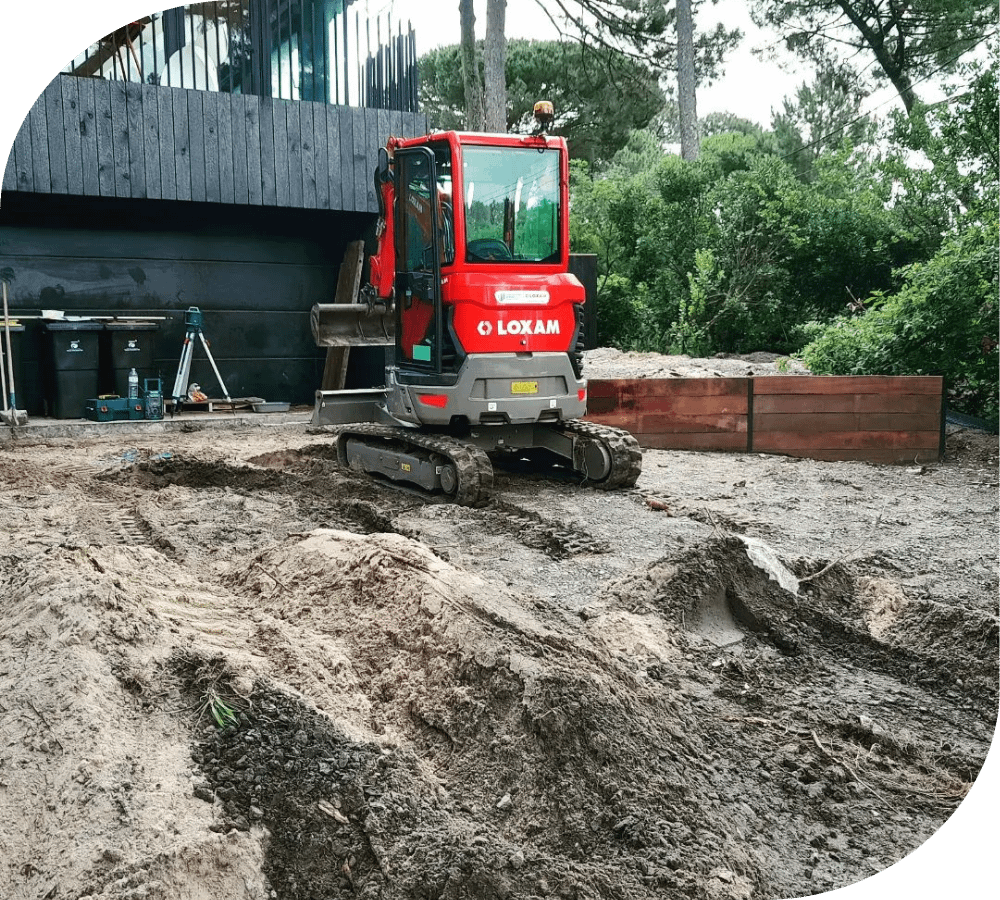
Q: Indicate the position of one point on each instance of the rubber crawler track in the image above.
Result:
(626, 455)
(473, 466)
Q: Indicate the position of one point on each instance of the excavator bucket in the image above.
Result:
(351, 325)
(348, 322)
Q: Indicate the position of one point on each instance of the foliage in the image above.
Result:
(582, 83)
(819, 117)
(733, 253)
(902, 43)
(642, 29)
(942, 321)
(688, 333)
(944, 161)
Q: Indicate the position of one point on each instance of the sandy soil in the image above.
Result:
(228, 670)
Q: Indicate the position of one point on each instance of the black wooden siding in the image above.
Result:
(133, 199)
(255, 273)
(96, 138)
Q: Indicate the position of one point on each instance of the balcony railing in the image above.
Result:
(288, 49)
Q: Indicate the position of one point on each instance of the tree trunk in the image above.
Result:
(473, 85)
(686, 94)
(890, 61)
(495, 64)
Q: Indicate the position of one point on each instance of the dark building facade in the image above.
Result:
(205, 156)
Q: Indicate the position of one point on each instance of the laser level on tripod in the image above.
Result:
(194, 320)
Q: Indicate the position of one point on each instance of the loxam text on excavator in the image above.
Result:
(470, 284)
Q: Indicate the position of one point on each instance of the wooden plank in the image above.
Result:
(151, 141)
(269, 189)
(10, 170)
(281, 186)
(670, 407)
(346, 116)
(306, 131)
(251, 127)
(652, 423)
(165, 117)
(210, 127)
(644, 423)
(348, 286)
(803, 441)
(333, 144)
(372, 129)
(196, 144)
(730, 443)
(819, 422)
(294, 138)
(119, 139)
(224, 123)
(915, 404)
(22, 146)
(71, 134)
(359, 160)
(105, 138)
(55, 133)
(848, 384)
(89, 157)
(182, 147)
(238, 116)
(321, 151)
(136, 143)
(40, 147)
(632, 390)
(384, 128)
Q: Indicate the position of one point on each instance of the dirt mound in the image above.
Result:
(607, 362)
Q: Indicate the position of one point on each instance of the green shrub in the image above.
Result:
(942, 321)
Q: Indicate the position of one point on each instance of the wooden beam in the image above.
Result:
(348, 286)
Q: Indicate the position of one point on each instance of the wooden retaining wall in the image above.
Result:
(874, 418)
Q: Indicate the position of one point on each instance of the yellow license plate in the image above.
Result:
(524, 387)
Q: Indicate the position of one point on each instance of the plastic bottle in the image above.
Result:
(133, 385)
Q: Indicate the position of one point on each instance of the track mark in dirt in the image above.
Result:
(555, 539)
(131, 528)
(321, 490)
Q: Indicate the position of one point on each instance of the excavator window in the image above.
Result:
(418, 259)
(512, 207)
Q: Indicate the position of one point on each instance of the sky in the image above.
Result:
(750, 87)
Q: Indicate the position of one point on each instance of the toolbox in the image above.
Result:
(114, 409)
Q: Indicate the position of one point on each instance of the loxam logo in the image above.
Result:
(520, 326)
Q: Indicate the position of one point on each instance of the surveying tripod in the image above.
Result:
(193, 320)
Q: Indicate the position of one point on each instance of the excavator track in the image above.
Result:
(468, 481)
(622, 448)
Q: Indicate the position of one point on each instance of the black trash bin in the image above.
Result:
(17, 352)
(29, 367)
(131, 346)
(73, 364)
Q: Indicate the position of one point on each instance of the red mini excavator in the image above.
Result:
(470, 283)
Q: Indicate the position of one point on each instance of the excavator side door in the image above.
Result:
(419, 327)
